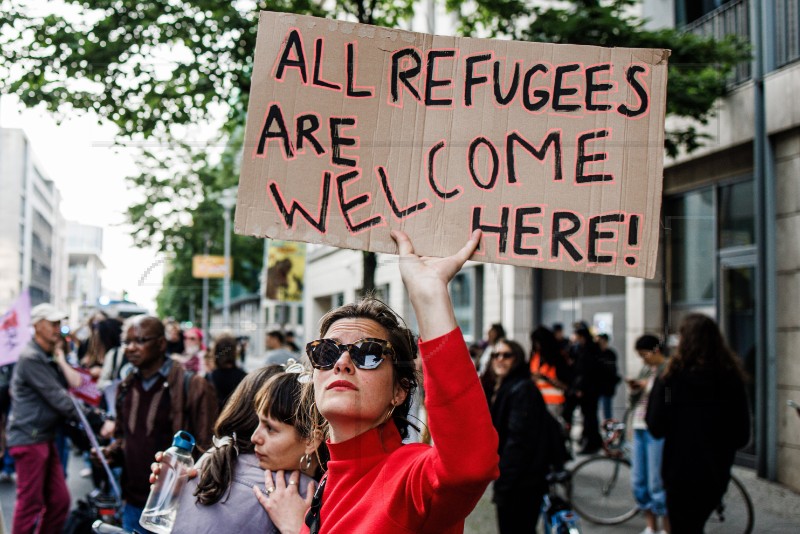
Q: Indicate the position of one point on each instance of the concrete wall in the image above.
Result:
(787, 167)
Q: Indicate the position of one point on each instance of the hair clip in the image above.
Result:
(293, 366)
(225, 440)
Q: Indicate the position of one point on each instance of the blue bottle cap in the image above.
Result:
(183, 440)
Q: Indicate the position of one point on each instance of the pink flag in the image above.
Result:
(15, 330)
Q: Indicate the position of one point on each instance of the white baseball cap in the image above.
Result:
(48, 312)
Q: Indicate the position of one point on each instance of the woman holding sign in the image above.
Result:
(362, 384)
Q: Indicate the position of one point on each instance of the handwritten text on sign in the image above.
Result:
(554, 151)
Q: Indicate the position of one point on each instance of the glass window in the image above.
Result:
(690, 224)
(736, 215)
(462, 294)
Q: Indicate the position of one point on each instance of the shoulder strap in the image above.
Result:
(313, 517)
(187, 377)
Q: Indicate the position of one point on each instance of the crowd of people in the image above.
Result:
(322, 440)
(689, 415)
(270, 441)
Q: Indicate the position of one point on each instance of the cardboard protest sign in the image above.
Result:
(555, 151)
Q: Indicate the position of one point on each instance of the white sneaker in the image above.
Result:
(649, 530)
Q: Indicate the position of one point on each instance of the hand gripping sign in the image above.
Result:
(554, 151)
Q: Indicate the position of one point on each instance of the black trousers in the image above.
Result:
(591, 424)
(689, 508)
(518, 514)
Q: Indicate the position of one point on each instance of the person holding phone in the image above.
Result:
(648, 488)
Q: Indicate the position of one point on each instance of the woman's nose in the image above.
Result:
(344, 364)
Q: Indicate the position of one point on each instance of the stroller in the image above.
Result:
(104, 503)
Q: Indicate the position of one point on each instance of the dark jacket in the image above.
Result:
(518, 412)
(588, 369)
(704, 418)
(41, 402)
(195, 412)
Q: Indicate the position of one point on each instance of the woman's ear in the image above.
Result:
(313, 443)
(399, 396)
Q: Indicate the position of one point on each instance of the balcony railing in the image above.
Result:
(732, 18)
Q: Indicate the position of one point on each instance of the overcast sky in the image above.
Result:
(79, 157)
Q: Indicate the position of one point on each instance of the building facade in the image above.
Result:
(84, 252)
(32, 237)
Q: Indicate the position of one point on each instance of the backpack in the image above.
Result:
(80, 520)
(556, 452)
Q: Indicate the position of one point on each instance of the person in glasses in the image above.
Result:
(152, 404)
(258, 429)
(362, 384)
(518, 412)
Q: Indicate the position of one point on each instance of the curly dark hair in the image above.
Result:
(405, 348)
(237, 416)
(702, 348)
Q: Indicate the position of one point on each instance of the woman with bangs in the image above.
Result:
(362, 384)
(256, 430)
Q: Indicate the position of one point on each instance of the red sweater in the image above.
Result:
(377, 485)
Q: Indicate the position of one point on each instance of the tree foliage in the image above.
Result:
(181, 216)
(699, 67)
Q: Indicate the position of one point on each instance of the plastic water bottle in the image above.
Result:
(162, 503)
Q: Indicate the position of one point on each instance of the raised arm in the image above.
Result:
(426, 280)
(449, 479)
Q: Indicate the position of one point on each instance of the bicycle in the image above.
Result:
(557, 513)
(601, 490)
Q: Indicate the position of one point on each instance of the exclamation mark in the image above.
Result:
(633, 237)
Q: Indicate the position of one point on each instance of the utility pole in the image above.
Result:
(204, 326)
(228, 201)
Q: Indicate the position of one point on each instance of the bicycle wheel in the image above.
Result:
(601, 490)
(734, 515)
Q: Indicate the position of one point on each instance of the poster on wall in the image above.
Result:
(554, 151)
(286, 267)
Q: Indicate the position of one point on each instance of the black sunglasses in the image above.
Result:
(367, 353)
(502, 355)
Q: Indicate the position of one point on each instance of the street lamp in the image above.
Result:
(228, 201)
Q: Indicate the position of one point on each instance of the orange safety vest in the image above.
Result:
(551, 394)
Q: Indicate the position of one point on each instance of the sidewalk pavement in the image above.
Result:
(777, 511)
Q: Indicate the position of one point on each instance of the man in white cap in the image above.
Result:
(41, 404)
